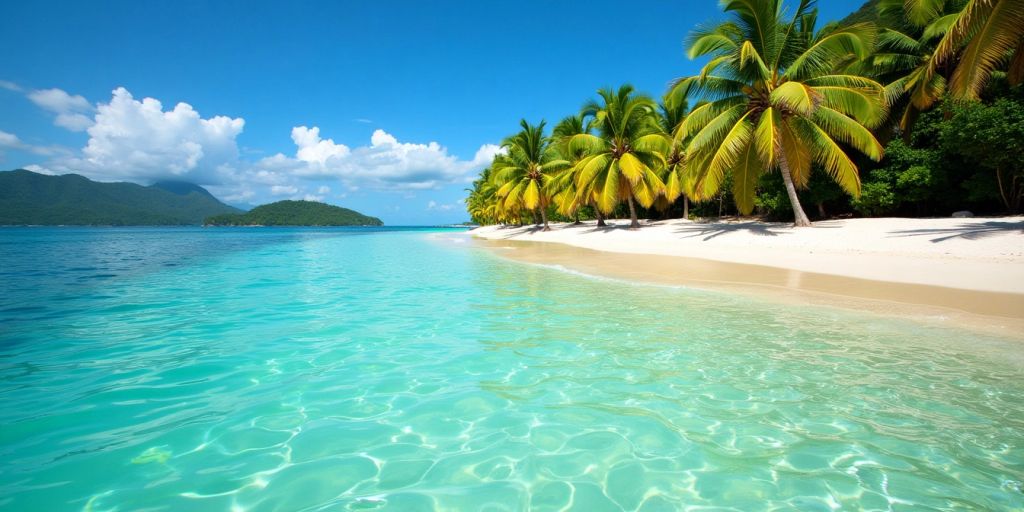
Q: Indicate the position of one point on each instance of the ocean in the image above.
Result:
(287, 369)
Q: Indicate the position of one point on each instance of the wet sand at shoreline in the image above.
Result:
(995, 312)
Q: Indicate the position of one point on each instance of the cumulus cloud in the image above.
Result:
(139, 140)
(73, 111)
(316, 151)
(386, 164)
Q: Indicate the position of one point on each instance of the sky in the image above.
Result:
(388, 108)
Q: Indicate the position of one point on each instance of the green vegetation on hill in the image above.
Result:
(295, 213)
(29, 198)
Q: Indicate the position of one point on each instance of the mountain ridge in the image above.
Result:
(30, 198)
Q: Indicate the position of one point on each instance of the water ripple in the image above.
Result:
(318, 370)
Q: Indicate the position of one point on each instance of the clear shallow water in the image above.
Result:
(287, 369)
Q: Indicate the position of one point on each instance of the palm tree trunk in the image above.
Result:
(536, 218)
(1002, 191)
(633, 222)
(600, 217)
(578, 221)
(544, 216)
(799, 217)
(686, 207)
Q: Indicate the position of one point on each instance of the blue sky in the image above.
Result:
(384, 107)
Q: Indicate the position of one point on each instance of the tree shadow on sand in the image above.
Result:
(514, 231)
(717, 229)
(965, 231)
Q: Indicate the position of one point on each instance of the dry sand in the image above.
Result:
(969, 271)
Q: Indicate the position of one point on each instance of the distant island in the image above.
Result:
(30, 198)
(295, 213)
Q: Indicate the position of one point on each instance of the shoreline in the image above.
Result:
(976, 280)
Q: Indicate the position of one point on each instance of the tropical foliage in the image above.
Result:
(522, 172)
(779, 100)
(624, 159)
(909, 107)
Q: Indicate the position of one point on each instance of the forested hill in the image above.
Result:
(29, 198)
(296, 213)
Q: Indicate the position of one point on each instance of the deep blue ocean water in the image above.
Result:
(398, 369)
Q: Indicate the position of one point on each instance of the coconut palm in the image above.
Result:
(672, 112)
(624, 158)
(986, 35)
(562, 185)
(902, 58)
(525, 168)
(776, 101)
(482, 203)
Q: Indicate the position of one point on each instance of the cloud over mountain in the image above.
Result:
(139, 140)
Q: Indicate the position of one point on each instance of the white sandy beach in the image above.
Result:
(980, 254)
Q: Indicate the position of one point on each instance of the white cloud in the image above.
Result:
(237, 194)
(284, 190)
(73, 122)
(9, 140)
(314, 198)
(386, 164)
(40, 169)
(10, 86)
(56, 100)
(314, 150)
(434, 206)
(73, 112)
(12, 141)
(138, 140)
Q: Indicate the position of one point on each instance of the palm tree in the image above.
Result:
(624, 159)
(562, 186)
(523, 171)
(481, 203)
(775, 101)
(902, 59)
(672, 112)
(986, 35)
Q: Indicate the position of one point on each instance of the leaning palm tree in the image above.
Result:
(623, 160)
(775, 101)
(523, 171)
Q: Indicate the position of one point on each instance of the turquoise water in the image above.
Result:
(289, 369)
